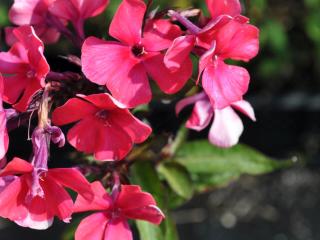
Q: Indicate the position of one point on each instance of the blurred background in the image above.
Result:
(285, 92)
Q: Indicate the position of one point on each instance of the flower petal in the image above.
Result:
(126, 25)
(224, 84)
(114, 65)
(237, 40)
(179, 51)
(158, 34)
(92, 227)
(189, 100)
(101, 200)
(4, 138)
(118, 229)
(223, 7)
(73, 179)
(169, 82)
(246, 108)
(112, 142)
(201, 115)
(226, 128)
(73, 110)
(15, 167)
(137, 130)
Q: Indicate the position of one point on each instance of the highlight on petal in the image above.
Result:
(224, 84)
(226, 129)
(201, 115)
(126, 25)
(224, 7)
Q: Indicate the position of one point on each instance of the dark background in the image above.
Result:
(285, 92)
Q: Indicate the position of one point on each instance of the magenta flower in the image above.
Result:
(34, 13)
(24, 67)
(226, 84)
(104, 126)
(4, 138)
(111, 222)
(32, 196)
(226, 128)
(76, 11)
(223, 7)
(123, 66)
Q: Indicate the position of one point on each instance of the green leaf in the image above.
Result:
(148, 231)
(170, 231)
(202, 157)
(177, 177)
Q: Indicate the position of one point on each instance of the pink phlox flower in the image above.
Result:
(104, 126)
(34, 13)
(24, 68)
(76, 11)
(226, 128)
(32, 196)
(124, 66)
(110, 223)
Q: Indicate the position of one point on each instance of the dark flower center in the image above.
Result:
(138, 50)
(102, 114)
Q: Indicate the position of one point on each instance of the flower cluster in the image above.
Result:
(146, 45)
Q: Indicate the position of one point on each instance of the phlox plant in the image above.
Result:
(149, 52)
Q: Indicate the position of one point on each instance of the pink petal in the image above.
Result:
(158, 34)
(206, 59)
(150, 213)
(11, 200)
(118, 229)
(11, 62)
(101, 201)
(73, 110)
(201, 115)
(137, 130)
(226, 128)
(14, 86)
(237, 41)
(88, 8)
(73, 179)
(189, 100)
(102, 101)
(65, 9)
(114, 65)
(179, 52)
(10, 38)
(126, 25)
(57, 198)
(112, 142)
(169, 82)
(92, 227)
(224, 7)
(33, 86)
(28, 12)
(83, 136)
(224, 84)
(38, 217)
(15, 167)
(246, 108)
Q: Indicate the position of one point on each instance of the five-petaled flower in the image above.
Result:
(110, 223)
(24, 68)
(104, 126)
(32, 196)
(123, 66)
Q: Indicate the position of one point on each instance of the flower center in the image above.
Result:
(138, 50)
(103, 114)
